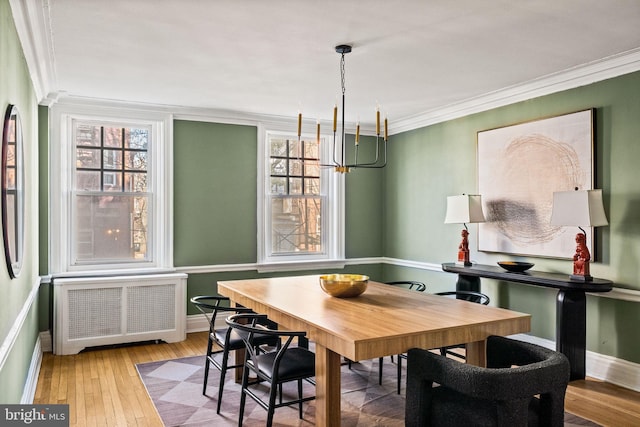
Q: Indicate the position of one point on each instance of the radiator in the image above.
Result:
(97, 311)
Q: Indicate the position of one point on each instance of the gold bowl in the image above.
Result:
(344, 285)
(515, 266)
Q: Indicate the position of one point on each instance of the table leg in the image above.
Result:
(327, 387)
(571, 330)
(476, 353)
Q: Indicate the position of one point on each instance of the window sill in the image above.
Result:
(301, 265)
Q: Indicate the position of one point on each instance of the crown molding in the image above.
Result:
(582, 75)
(33, 24)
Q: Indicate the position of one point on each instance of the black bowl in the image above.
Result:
(515, 266)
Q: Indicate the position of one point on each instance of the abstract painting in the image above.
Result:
(519, 168)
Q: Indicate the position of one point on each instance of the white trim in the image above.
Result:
(46, 341)
(29, 390)
(18, 324)
(605, 68)
(332, 211)
(161, 168)
(599, 366)
(33, 25)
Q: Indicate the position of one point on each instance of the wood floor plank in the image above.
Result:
(103, 388)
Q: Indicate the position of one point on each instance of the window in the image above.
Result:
(112, 195)
(301, 205)
(111, 199)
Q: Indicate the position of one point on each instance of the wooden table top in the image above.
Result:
(384, 320)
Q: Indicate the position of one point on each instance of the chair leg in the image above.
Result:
(223, 373)
(206, 366)
(300, 398)
(399, 373)
(272, 403)
(380, 370)
(243, 395)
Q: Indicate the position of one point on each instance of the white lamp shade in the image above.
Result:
(578, 208)
(466, 208)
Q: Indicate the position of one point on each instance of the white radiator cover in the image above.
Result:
(95, 311)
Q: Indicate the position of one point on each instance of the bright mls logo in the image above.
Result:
(35, 415)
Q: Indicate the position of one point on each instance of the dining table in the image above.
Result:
(384, 320)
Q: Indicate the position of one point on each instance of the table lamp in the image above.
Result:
(464, 209)
(581, 208)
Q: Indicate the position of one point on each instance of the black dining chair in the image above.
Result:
(471, 296)
(414, 286)
(523, 385)
(280, 365)
(223, 337)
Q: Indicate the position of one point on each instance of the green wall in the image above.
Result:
(16, 88)
(215, 196)
(431, 163)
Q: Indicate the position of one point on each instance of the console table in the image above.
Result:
(571, 307)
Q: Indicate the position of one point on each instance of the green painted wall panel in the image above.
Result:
(431, 163)
(16, 88)
(214, 193)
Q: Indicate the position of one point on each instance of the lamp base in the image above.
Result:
(580, 278)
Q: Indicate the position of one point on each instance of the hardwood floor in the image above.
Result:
(102, 387)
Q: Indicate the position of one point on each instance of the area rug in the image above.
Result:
(175, 387)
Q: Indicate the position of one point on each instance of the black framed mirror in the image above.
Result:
(12, 177)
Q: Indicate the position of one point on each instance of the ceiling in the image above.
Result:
(277, 57)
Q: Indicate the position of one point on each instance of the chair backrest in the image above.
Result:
(409, 284)
(516, 373)
(210, 306)
(472, 296)
(250, 325)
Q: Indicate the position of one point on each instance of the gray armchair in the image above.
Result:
(503, 394)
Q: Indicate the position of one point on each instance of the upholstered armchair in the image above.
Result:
(523, 385)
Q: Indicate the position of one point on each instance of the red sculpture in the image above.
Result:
(463, 249)
(582, 257)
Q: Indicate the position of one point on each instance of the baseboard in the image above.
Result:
(198, 323)
(599, 366)
(46, 342)
(29, 391)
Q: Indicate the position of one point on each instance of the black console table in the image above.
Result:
(571, 307)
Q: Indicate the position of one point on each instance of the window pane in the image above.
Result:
(88, 181)
(135, 182)
(294, 149)
(278, 147)
(296, 225)
(311, 168)
(112, 181)
(111, 228)
(136, 160)
(136, 138)
(278, 185)
(312, 186)
(278, 166)
(295, 167)
(88, 158)
(112, 159)
(88, 135)
(295, 185)
(311, 150)
(113, 137)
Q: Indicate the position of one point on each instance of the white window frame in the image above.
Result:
(332, 188)
(61, 175)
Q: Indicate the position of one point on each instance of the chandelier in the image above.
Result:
(377, 160)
